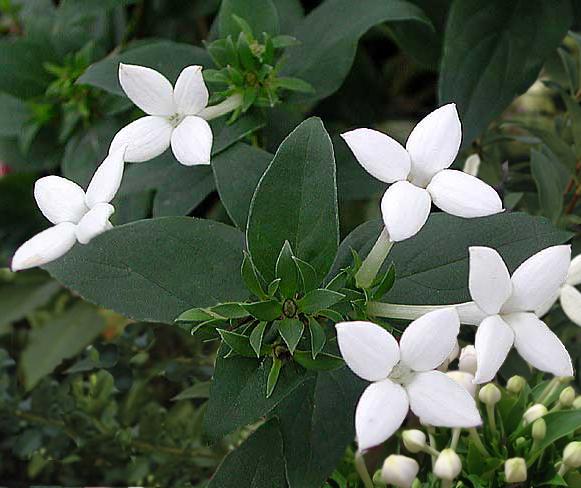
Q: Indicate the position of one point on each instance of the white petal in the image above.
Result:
(463, 195)
(381, 410)
(434, 143)
(470, 313)
(538, 278)
(494, 338)
(548, 304)
(147, 88)
(107, 179)
(190, 93)
(45, 247)
(380, 155)
(191, 141)
(574, 274)
(488, 279)
(465, 380)
(368, 349)
(538, 345)
(472, 165)
(59, 199)
(428, 341)
(145, 139)
(571, 303)
(95, 222)
(439, 401)
(405, 209)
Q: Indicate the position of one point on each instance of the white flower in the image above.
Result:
(465, 380)
(173, 116)
(78, 216)
(419, 173)
(402, 376)
(467, 360)
(508, 305)
(399, 471)
(568, 295)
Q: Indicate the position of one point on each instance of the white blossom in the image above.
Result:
(403, 376)
(508, 305)
(419, 173)
(76, 215)
(399, 471)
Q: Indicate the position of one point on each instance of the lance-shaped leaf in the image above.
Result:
(317, 300)
(291, 330)
(296, 200)
(153, 270)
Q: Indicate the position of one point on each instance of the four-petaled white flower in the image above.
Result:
(419, 173)
(567, 294)
(403, 376)
(508, 305)
(173, 116)
(78, 216)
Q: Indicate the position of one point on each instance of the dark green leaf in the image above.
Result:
(198, 390)
(296, 200)
(268, 310)
(250, 278)
(318, 337)
(231, 310)
(256, 337)
(559, 424)
(323, 361)
(317, 300)
(291, 330)
(273, 376)
(547, 178)
(261, 15)
(156, 269)
(308, 275)
(286, 270)
(13, 115)
(194, 315)
(386, 283)
(239, 343)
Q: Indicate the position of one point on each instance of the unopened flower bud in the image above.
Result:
(448, 465)
(577, 402)
(567, 397)
(399, 471)
(467, 362)
(414, 440)
(465, 380)
(515, 470)
(520, 441)
(572, 455)
(515, 384)
(489, 394)
(472, 165)
(539, 430)
(533, 413)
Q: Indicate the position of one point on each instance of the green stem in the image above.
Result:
(361, 468)
(563, 469)
(455, 438)
(433, 445)
(478, 442)
(223, 108)
(431, 451)
(372, 263)
(491, 417)
(446, 484)
(551, 385)
(468, 311)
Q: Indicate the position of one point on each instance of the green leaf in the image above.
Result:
(508, 43)
(248, 163)
(66, 335)
(329, 36)
(323, 361)
(547, 178)
(273, 376)
(237, 395)
(273, 287)
(386, 283)
(559, 425)
(256, 337)
(232, 310)
(267, 310)
(441, 276)
(293, 84)
(286, 270)
(261, 16)
(195, 315)
(296, 200)
(198, 390)
(250, 278)
(13, 115)
(308, 275)
(317, 300)
(257, 463)
(318, 337)
(238, 342)
(291, 330)
(169, 58)
(156, 269)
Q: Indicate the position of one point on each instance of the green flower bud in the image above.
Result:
(567, 397)
(414, 440)
(399, 471)
(533, 413)
(572, 455)
(520, 441)
(515, 384)
(515, 470)
(539, 430)
(489, 394)
(448, 465)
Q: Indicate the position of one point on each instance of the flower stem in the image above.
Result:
(491, 417)
(467, 311)
(563, 469)
(477, 441)
(433, 445)
(455, 438)
(446, 484)
(372, 263)
(223, 108)
(361, 468)
(554, 383)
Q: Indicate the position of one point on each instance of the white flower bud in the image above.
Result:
(572, 455)
(577, 402)
(467, 362)
(414, 440)
(448, 465)
(465, 380)
(567, 397)
(489, 394)
(539, 430)
(515, 470)
(533, 413)
(515, 384)
(472, 164)
(399, 471)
